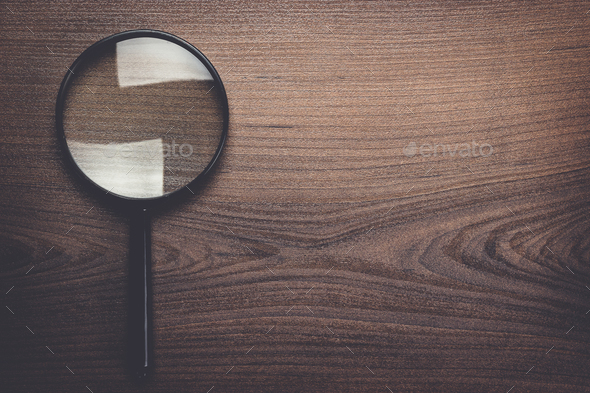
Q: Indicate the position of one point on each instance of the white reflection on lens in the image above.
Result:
(146, 60)
(134, 169)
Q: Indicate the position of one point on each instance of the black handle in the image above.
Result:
(140, 293)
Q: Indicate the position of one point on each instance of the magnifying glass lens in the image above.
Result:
(142, 117)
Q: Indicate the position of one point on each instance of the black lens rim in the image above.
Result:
(67, 80)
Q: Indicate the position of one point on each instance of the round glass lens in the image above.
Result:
(142, 116)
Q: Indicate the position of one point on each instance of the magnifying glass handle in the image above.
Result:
(140, 294)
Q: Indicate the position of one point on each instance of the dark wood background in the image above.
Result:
(319, 257)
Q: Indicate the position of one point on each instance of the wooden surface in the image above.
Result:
(319, 257)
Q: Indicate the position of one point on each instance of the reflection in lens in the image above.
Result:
(142, 117)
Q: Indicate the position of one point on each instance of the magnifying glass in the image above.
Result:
(142, 116)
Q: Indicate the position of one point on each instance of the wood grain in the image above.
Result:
(319, 257)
